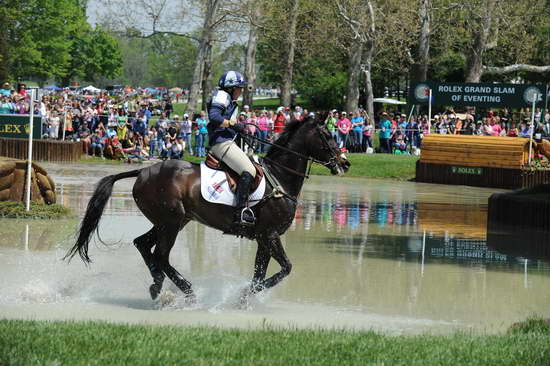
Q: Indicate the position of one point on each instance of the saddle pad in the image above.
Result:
(215, 189)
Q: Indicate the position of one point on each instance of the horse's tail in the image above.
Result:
(95, 208)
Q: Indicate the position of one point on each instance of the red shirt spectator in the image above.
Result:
(279, 123)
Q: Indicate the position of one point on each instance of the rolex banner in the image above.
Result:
(477, 94)
(17, 126)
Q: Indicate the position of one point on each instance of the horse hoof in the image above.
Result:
(190, 298)
(154, 290)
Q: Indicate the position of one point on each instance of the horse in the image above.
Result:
(169, 195)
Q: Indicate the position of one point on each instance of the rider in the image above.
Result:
(222, 130)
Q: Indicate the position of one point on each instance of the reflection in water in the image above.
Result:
(390, 255)
(339, 212)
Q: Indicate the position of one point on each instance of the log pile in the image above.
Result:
(13, 180)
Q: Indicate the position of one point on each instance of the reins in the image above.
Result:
(310, 159)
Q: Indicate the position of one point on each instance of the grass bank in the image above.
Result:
(94, 343)
(401, 167)
(17, 210)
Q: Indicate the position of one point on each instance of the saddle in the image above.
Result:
(232, 177)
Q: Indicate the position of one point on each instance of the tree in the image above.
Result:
(361, 22)
(500, 27)
(47, 39)
(94, 53)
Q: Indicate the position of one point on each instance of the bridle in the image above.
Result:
(330, 164)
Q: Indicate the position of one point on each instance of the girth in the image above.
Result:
(232, 176)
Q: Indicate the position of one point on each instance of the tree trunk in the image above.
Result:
(250, 65)
(420, 68)
(369, 55)
(481, 39)
(286, 87)
(369, 93)
(207, 70)
(354, 70)
(202, 54)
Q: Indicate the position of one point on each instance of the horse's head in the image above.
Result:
(321, 146)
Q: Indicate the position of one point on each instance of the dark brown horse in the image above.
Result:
(169, 195)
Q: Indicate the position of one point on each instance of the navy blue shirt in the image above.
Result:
(220, 108)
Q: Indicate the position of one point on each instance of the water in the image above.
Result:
(398, 257)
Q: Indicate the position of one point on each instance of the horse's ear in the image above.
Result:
(320, 118)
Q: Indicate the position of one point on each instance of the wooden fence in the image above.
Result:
(480, 161)
(42, 150)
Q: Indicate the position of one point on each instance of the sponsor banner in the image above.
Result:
(17, 126)
(466, 170)
(477, 94)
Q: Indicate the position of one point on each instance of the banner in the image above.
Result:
(478, 94)
(17, 126)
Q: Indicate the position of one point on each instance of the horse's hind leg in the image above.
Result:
(261, 262)
(167, 238)
(144, 244)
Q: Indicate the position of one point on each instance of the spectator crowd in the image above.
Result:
(142, 126)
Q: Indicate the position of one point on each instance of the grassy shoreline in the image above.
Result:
(400, 167)
(17, 210)
(97, 343)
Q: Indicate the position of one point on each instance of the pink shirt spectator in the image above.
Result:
(263, 124)
(344, 125)
(496, 130)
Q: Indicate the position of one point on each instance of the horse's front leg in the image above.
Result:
(267, 248)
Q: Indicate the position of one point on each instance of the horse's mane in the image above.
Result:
(286, 135)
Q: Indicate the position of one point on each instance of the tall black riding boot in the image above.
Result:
(243, 215)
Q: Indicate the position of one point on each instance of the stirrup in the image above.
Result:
(247, 221)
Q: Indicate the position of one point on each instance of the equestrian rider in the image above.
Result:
(222, 130)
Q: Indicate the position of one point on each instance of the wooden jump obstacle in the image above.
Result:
(481, 161)
(42, 150)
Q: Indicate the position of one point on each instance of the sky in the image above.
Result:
(97, 11)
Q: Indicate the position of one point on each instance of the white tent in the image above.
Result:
(92, 89)
(387, 101)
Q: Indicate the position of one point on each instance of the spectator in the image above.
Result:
(385, 133)
(98, 143)
(153, 142)
(54, 125)
(263, 131)
(357, 123)
(400, 142)
(344, 127)
(168, 108)
(279, 123)
(513, 131)
(367, 135)
(524, 130)
(185, 132)
(331, 124)
(202, 135)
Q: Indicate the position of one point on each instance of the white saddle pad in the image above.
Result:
(215, 189)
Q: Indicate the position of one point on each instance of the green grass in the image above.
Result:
(400, 167)
(9, 209)
(96, 343)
